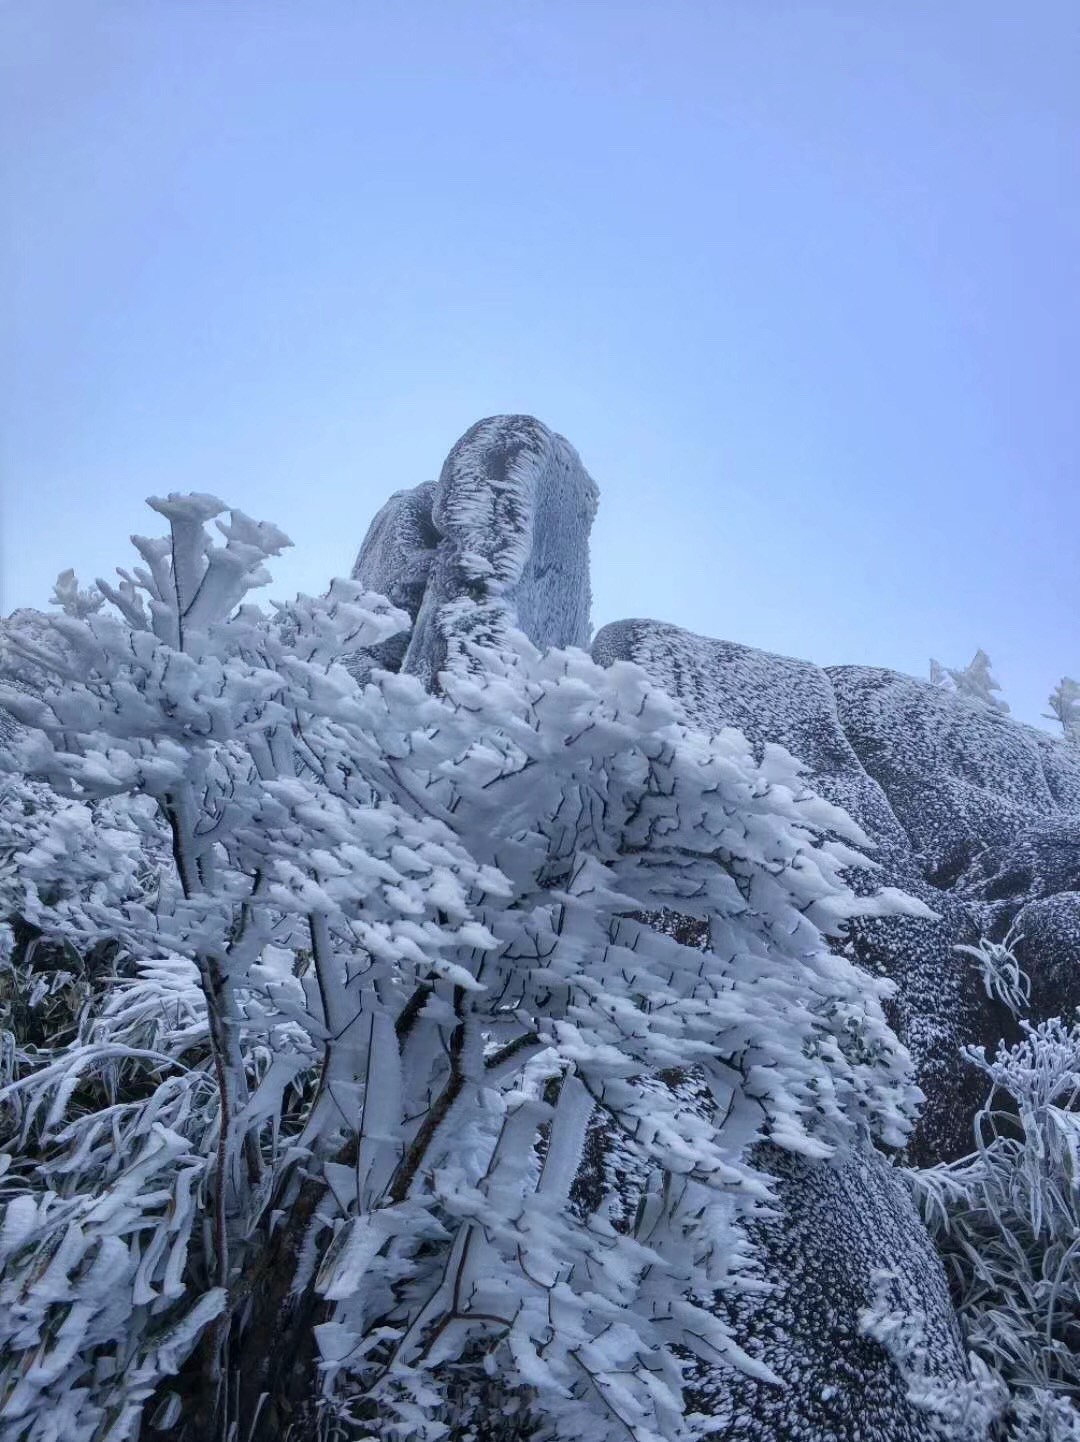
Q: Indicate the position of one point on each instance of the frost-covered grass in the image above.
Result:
(1003, 977)
(1007, 1222)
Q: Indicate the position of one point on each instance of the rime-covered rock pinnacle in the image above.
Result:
(501, 540)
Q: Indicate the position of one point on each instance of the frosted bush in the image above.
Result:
(1007, 1222)
(974, 681)
(377, 959)
(1003, 977)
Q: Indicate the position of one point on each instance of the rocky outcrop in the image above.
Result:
(973, 814)
(837, 1225)
(768, 698)
(991, 812)
(960, 776)
(500, 541)
(395, 561)
(1048, 947)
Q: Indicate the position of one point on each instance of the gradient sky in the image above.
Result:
(800, 280)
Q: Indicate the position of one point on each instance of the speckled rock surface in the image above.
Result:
(1042, 859)
(768, 698)
(1049, 950)
(835, 1226)
(959, 775)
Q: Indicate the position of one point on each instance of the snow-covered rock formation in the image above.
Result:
(500, 540)
(840, 1224)
(838, 1229)
(976, 815)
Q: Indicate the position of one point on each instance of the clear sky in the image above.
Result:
(800, 280)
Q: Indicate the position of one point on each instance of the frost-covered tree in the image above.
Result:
(973, 681)
(1007, 1222)
(1064, 706)
(352, 967)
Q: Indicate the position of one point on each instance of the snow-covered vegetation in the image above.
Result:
(314, 990)
(975, 680)
(1004, 979)
(1064, 706)
(1007, 1222)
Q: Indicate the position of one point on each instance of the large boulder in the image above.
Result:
(972, 813)
(836, 1229)
(793, 703)
(1048, 947)
(959, 774)
(500, 541)
(991, 809)
(768, 698)
(395, 561)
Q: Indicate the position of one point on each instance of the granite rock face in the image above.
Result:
(500, 541)
(768, 698)
(959, 775)
(836, 1226)
(396, 560)
(991, 810)
(1048, 947)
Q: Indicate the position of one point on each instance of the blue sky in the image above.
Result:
(800, 280)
